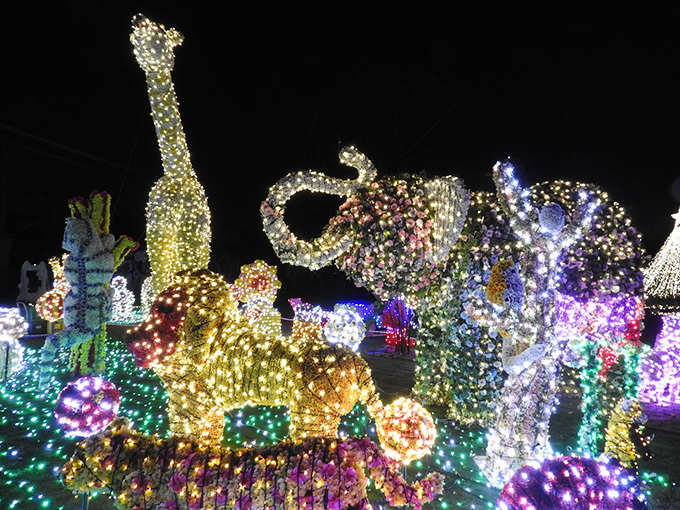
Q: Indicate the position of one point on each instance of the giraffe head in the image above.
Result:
(153, 44)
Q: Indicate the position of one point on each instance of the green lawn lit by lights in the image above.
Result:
(33, 448)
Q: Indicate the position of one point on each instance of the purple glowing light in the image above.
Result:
(660, 370)
(86, 406)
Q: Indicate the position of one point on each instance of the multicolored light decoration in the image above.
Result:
(94, 255)
(571, 483)
(660, 369)
(532, 350)
(309, 319)
(12, 327)
(389, 236)
(177, 472)
(210, 362)
(86, 406)
(257, 286)
(397, 318)
(178, 232)
(50, 306)
(625, 440)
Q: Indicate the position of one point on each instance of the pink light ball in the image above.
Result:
(86, 406)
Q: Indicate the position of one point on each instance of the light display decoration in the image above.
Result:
(123, 301)
(345, 326)
(145, 472)
(660, 369)
(94, 253)
(257, 286)
(458, 358)
(661, 281)
(308, 319)
(625, 440)
(50, 306)
(210, 361)
(388, 236)
(86, 406)
(178, 232)
(572, 483)
(12, 327)
(531, 350)
(398, 318)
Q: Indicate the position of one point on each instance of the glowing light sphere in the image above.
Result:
(571, 483)
(50, 306)
(345, 326)
(406, 430)
(86, 406)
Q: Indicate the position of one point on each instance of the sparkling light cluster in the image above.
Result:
(12, 327)
(532, 349)
(308, 321)
(123, 301)
(210, 362)
(86, 406)
(257, 286)
(662, 285)
(50, 306)
(178, 232)
(344, 326)
(396, 319)
(660, 370)
(314, 474)
(571, 483)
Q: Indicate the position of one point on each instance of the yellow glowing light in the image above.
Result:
(178, 230)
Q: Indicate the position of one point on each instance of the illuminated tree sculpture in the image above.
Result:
(531, 350)
(178, 231)
(660, 378)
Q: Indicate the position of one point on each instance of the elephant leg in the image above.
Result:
(198, 418)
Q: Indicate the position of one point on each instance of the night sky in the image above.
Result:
(589, 94)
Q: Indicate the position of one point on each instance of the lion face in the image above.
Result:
(186, 313)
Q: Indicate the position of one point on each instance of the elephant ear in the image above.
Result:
(323, 250)
(449, 200)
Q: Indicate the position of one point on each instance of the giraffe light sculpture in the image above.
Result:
(178, 232)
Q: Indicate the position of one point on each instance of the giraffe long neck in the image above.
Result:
(169, 131)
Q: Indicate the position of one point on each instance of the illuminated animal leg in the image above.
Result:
(198, 418)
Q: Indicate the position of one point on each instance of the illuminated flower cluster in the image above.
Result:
(12, 327)
(86, 406)
(145, 472)
(210, 361)
(345, 326)
(551, 218)
(571, 483)
(505, 287)
(178, 232)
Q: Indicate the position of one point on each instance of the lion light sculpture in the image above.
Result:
(211, 360)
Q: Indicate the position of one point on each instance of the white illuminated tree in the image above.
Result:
(532, 349)
(662, 277)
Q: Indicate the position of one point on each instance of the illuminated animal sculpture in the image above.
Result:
(87, 305)
(210, 360)
(148, 472)
(178, 218)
